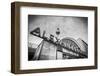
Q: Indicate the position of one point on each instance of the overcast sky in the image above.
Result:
(75, 27)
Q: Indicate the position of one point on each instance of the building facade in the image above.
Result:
(68, 48)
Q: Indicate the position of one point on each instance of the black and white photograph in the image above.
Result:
(52, 37)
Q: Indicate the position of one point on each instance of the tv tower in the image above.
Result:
(57, 33)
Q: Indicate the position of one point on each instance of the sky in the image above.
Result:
(74, 27)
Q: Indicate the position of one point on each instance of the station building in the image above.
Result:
(68, 49)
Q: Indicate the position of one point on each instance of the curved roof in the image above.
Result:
(71, 39)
